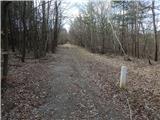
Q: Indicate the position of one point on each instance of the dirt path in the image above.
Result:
(73, 94)
(74, 84)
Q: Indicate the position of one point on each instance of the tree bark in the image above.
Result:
(24, 33)
(155, 31)
(55, 31)
(5, 38)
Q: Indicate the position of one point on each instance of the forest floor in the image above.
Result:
(75, 84)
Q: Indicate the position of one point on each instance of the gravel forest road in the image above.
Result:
(73, 94)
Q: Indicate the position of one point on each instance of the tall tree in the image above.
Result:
(155, 31)
(24, 32)
(56, 23)
(5, 37)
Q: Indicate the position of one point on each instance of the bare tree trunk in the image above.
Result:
(24, 33)
(103, 37)
(5, 38)
(91, 29)
(132, 36)
(47, 28)
(12, 37)
(145, 43)
(55, 31)
(155, 32)
(44, 32)
(123, 28)
(135, 33)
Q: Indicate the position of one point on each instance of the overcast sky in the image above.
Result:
(72, 10)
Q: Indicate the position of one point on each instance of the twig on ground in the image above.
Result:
(130, 111)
